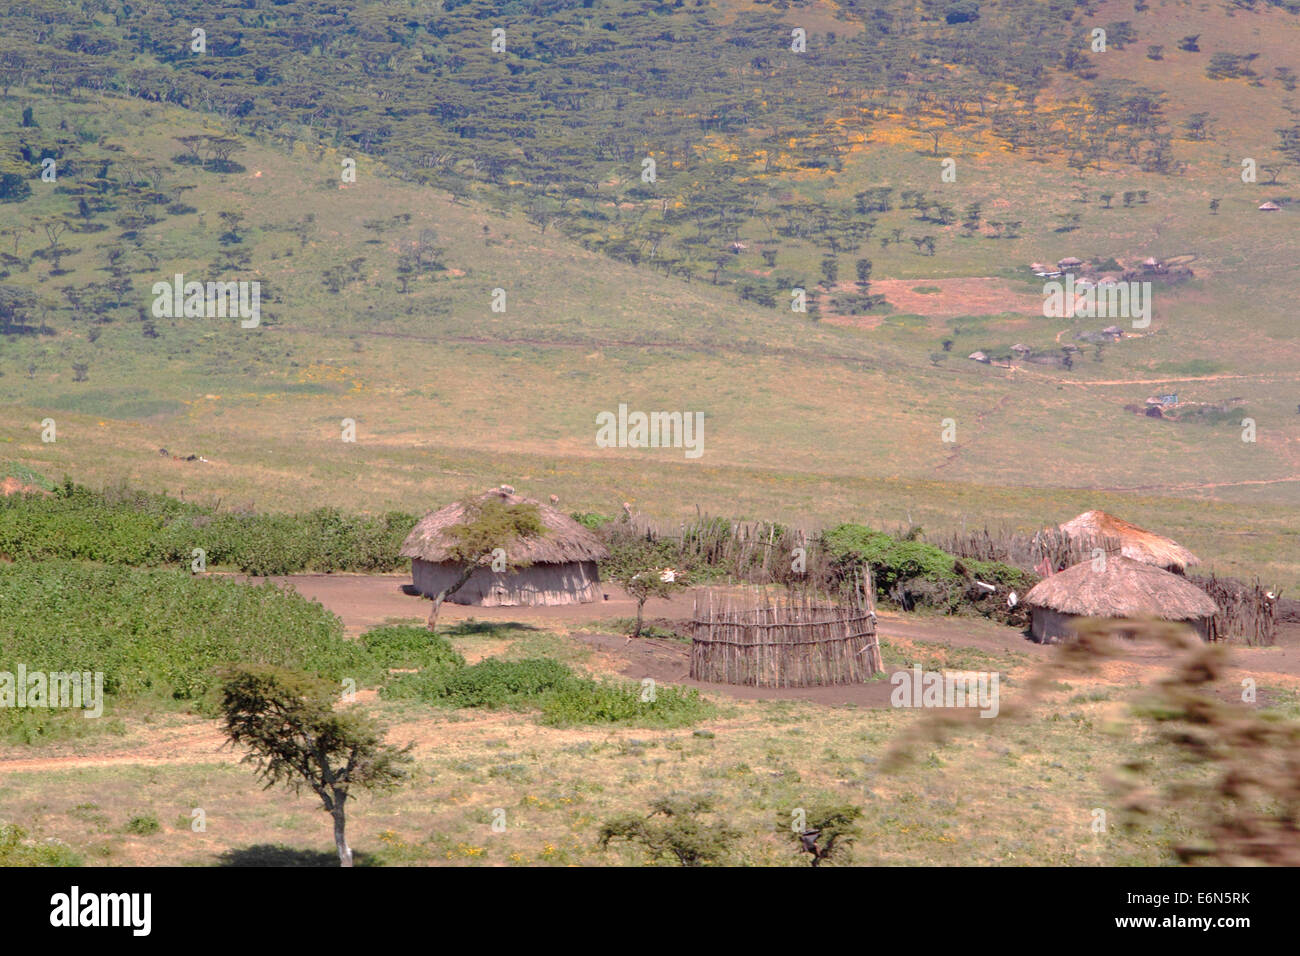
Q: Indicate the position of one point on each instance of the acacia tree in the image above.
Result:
(674, 830)
(829, 832)
(485, 537)
(295, 737)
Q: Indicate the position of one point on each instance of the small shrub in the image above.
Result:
(674, 831)
(146, 824)
(490, 683)
(591, 520)
(411, 647)
(581, 701)
(829, 832)
(17, 850)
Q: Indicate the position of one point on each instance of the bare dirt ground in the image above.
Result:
(363, 601)
(965, 296)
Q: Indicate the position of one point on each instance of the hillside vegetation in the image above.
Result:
(522, 171)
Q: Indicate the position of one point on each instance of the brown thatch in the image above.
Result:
(1123, 589)
(565, 540)
(1134, 542)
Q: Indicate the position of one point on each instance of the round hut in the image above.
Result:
(561, 565)
(1116, 588)
(1133, 542)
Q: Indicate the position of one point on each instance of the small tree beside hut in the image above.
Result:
(637, 565)
(488, 527)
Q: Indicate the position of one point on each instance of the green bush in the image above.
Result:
(564, 698)
(161, 633)
(891, 560)
(496, 683)
(145, 824)
(1004, 575)
(917, 574)
(584, 701)
(591, 520)
(411, 648)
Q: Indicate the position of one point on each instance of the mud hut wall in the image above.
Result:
(576, 582)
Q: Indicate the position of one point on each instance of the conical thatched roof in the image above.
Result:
(1136, 543)
(565, 540)
(1125, 589)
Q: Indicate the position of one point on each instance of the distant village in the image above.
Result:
(1087, 276)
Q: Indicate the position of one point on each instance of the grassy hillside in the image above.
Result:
(377, 294)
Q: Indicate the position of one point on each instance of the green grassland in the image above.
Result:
(1016, 791)
(806, 421)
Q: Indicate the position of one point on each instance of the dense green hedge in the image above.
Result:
(930, 575)
(162, 633)
(891, 560)
(145, 530)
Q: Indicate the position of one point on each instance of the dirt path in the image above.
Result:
(363, 601)
(192, 743)
(1092, 383)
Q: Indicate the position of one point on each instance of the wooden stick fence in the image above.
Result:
(800, 640)
(1246, 615)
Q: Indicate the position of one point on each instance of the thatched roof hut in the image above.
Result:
(1117, 588)
(1133, 542)
(561, 563)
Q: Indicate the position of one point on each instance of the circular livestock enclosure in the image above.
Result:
(797, 640)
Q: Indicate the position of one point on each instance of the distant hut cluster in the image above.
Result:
(561, 565)
(1137, 574)
(1148, 269)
